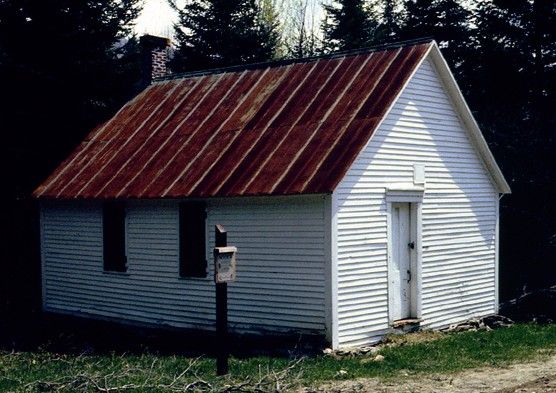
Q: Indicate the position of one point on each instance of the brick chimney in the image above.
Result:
(155, 56)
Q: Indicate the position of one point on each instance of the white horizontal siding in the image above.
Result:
(458, 217)
(280, 283)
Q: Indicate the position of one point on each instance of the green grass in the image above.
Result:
(41, 370)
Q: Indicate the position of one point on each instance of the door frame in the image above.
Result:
(413, 196)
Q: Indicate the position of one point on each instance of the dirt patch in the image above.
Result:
(397, 340)
(538, 377)
(540, 385)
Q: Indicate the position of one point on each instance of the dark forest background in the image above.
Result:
(67, 65)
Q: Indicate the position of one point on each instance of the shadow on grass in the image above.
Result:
(73, 335)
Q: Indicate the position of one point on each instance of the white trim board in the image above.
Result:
(413, 194)
(416, 201)
(328, 261)
(332, 278)
(497, 259)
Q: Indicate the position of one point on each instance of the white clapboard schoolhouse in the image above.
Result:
(357, 188)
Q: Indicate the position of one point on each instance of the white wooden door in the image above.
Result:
(400, 271)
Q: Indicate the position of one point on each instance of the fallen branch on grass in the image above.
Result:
(186, 381)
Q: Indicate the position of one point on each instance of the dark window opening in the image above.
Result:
(193, 260)
(113, 230)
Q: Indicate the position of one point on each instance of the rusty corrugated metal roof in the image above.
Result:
(275, 129)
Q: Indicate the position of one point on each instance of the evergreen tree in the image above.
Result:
(388, 29)
(220, 33)
(348, 24)
(517, 41)
(512, 79)
(63, 69)
(447, 21)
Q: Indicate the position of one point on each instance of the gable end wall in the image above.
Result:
(459, 217)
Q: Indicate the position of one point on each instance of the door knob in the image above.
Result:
(411, 245)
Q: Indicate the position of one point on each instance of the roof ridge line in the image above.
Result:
(288, 61)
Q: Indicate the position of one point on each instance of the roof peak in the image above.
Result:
(283, 62)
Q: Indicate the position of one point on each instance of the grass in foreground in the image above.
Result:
(45, 371)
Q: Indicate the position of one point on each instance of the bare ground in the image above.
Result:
(534, 377)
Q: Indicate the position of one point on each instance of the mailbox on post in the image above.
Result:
(224, 264)
(224, 272)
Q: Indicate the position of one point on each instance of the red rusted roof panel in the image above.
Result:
(274, 129)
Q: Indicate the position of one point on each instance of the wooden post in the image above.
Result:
(221, 240)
